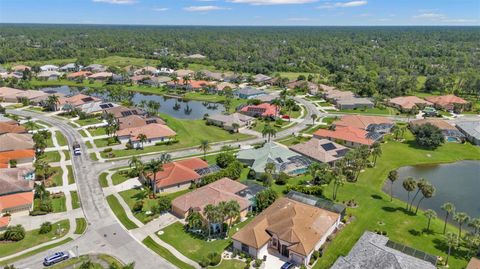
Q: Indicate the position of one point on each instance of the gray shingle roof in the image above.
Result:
(472, 128)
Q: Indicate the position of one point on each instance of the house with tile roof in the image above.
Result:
(76, 101)
(17, 202)
(474, 263)
(13, 141)
(261, 78)
(136, 121)
(222, 190)
(284, 159)
(289, 228)
(22, 156)
(4, 222)
(321, 150)
(263, 110)
(79, 75)
(407, 103)
(154, 132)
(248, 93)
(49, 75)
(11, 95)
(377, 251)
(348, 136)
(448, 102)
(96, 68)
(21, 68)
(227, 121)
(449, 131)
(15, 180)
(177, 175)
(9, 127)
(381, 125)
(303, 84)
(101, 76)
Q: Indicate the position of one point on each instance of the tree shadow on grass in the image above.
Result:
(395, 209)
(376, 197)
(457, 252)
(414, 232)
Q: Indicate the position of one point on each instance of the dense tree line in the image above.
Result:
(369, 60)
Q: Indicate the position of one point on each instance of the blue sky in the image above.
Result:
(243, 12)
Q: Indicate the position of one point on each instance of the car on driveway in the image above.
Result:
(287, 265)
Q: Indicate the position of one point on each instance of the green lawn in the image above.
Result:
(120, 213)
(33, 238)
(88, 121)
(88, 144)
(36, 251)
(375, 206)
(189, 134)
(59, 204)
(291, 140)
(131, 196)
(231, 264)
(51, 156)
(103, 180)
(97, 131)
(62, 141)
(83, 133)
(56, 179)
(81, 225)
(374, 111)
(105, 142)
(67, 155)
(50, 141)
(93, 156)
(75, 200)
(165, 253)
(71, 177)
(119, 177)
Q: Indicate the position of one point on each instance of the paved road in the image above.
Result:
(104, 234)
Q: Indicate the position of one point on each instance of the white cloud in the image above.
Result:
(204, 8)
(161, 9)
(429, 16)
(116, 2)
(272, 2)
(460, 21)
(330, 5)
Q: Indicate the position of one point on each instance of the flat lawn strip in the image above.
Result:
(88, 121)
(293, 140)
(51, 156)
(230, 264)
(189, 134)
(132, 196)
(33, 238)
(67, 155)
(260, 124)
(71, 177)
(102, 179)
(120, 213)
(81, 225)
(56, 179)
(50, 140)
(36, 251)
(165, 253)
(194, 247)
(119, 177)
(59, 204)
(97, 131)
(373, 111)
(105, 142)
(62, 141)
(400, 227)
(83, 133)
(93, 156)
(75, 200)
(88, 144)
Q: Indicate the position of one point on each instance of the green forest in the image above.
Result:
(388, 61)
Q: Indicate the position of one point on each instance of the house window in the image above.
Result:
(274, 242)
(245, 248)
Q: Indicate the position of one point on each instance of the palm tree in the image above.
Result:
(461, 218)
(194, 220)
(376, 152)
(30, 125)
(52, 102)
(452, 241)
(186, 80)
(211, 214)
(314, 118)
(396, 131)
(420, 183)
(277, 103)
(137, 164)
(204, 146)
(232, 209)
(269, 131)
(40, 142)
(409, 185)
(430, 214)
(392, 176)
(428, 191)
(339, 177)
(142, 138)
(475, 224)
(153, 107)
(154, 166)
(290, 104)
(235, 126)
(449, 209)
(270, 168)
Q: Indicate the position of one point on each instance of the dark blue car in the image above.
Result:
(287, 265)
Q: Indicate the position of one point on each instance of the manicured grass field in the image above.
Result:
(75, 201)
(71, 177)
(375, 206)
(373, 111)
(88, 144)
(97, 131)
(119, 177)
(67, 155)
(57, 176)
(33, 238)
(105, 142)
(36, 251)
(81, 225)
(165, 253)
(62, 141)
(59, 204)
(83, 133)
(51, 156)
(120, 213)
(93, 156)
(88, 121)
(230, 264)
(189, 134)
(103, 180)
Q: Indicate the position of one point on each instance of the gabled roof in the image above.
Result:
(408, 102)
(322, 150)
(299, 224)
(78, 100)
(264, 109)
(270, 153)
(361, 121)
(6, 127)
(346, 133)
(135, 121)
(441, 124)
(6, 156)
(101, 75)
(16, 200)
(261, 78)
(12, 180)
(179, 172)
(151, 131)
(12, 141)
(446, 100)
(123, 111)
(229, 120)
(79, 74)
(222, 190)
(21, 67)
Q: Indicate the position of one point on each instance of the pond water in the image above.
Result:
(458, 183)
(181, 109)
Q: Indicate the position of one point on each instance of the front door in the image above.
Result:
(284, 250)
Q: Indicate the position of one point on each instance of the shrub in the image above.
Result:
(310, 190)
(257, 263)
(14, 233)
(46, 227)
(164, 204)
(282, 179)
(107, 150)
(214, 258)
(204, 262)
(138, 206)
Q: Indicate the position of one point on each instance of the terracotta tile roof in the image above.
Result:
(101, 75)
(6, 127)
(13, 141)
(21, 67)
(11, 94)
(264, 109)
(322, 150)
(473, 264)
(221, 86)
(345, 133)
(4, 221)
(6, 156)
(12, 180)
(361, 122)
(441, 124)
(154, 130)
(408, 102)
(79, 74)
(446, 100)
(194, 84)
(184, 72)
(297, 223)
(122, 111)
(78, 100)
(134, 121)
(223, 189)
(16, 200)
(179, 172)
